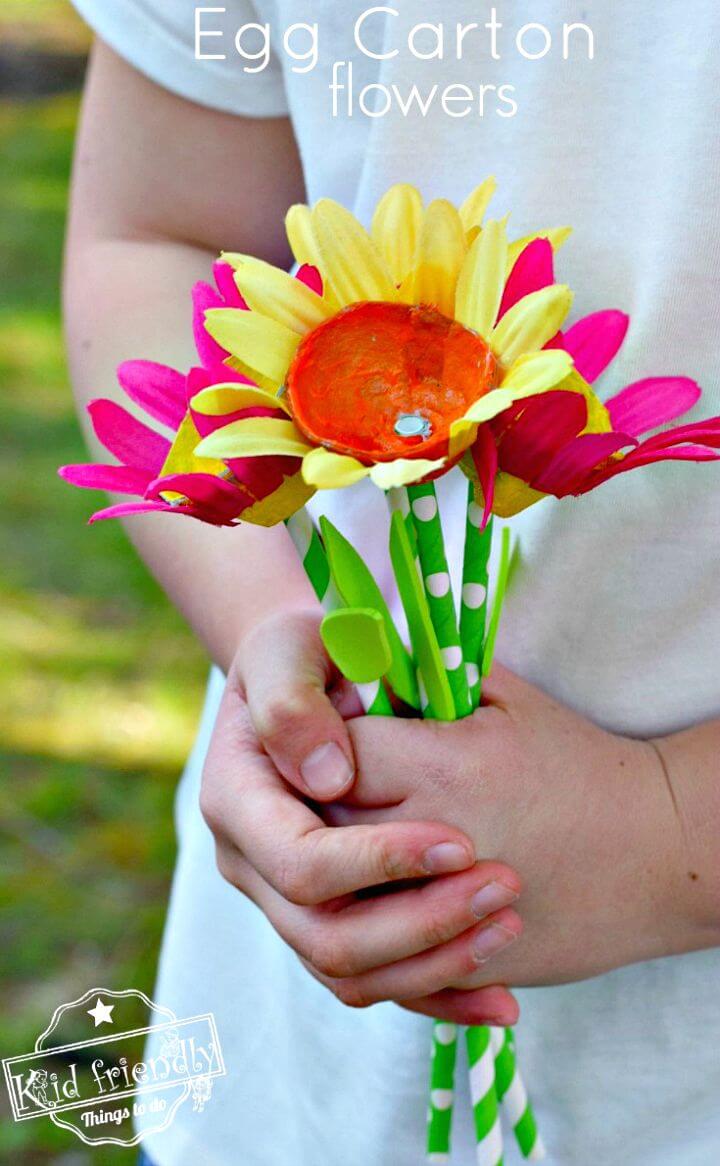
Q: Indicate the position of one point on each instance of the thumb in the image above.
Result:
(285, 675)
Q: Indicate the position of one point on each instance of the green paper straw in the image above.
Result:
(442, 1084)
(436, 577)
(473, 608)
(498, 600)
(310, 549)
(484, 1100)
(513, 1096)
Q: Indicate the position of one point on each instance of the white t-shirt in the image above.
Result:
(615, 608)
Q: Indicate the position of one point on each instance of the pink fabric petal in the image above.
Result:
(204, 298)
(206, 491)
(595, 341)
(541, 427)
(570, 468)
(534, 270)
(126, 509)
(485, 458)
(681, 453)
(311, 277)
(648, 403)
(700, 432)
(157, 389)
(116, 479)
(126, 438)
(262, 476)
(640, 457)
(224, 276)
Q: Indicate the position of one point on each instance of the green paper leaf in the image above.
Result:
(422, 633)
(501, 585)
(356, 641)
(358, 589)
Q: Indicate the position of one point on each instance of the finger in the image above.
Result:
(350, 937)
(285, 675)
(423, 975)
(245, 802)
(489, 1004)
(493, 1005)
(372, 933)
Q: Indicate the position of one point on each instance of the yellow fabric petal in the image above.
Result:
(301, 237)
(326, 470)
(279, 296)
(440, 256)
(473, 210)
(261, 348)
(537, 373)
(482, 280)
(463, 434)
(531, 323)
(403, 471)
(304, 246)
(512, 495)
(219, 400)
(183, 458)
(396, 228)
(255, 437)
(556, 235)
(290, 497)
(349, 257)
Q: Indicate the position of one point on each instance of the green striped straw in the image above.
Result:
(473, 607)
(483, 1096)
(511, 1093)
(436, 577)
(442, 1084)
(310, 549)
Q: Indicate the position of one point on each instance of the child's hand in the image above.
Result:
(275, 715)
(586, 817)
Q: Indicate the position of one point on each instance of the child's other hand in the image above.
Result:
(279, 726)
(585, 816)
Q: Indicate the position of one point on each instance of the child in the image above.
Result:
(594, 786)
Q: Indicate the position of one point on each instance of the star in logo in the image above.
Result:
(101, 1013)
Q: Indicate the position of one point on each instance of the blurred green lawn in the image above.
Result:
(100, 683)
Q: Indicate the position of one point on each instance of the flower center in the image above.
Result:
(380, 381)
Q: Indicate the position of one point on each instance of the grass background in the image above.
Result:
(100, 683)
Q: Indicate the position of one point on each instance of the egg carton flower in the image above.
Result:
(160, 469)
(567, 441)
(390, 368)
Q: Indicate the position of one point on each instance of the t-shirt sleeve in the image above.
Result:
(160, 39)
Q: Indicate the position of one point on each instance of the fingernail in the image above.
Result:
(491, 940)
(326, 770)
(492, 898)
(445, 858)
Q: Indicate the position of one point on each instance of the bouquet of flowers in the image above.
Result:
(431, 342)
